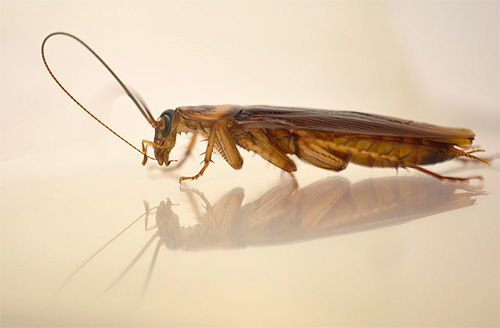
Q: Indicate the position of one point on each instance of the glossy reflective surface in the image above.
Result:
(363, 247)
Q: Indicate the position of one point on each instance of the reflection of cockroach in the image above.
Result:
(284, 215)
(332, 206)
(327, 139)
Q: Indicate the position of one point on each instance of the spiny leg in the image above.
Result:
(259, 143)
(208, 155)
(319, 153)
(458, 153)
(441, 177)
(225, 144)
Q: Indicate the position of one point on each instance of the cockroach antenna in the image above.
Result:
(136, 100)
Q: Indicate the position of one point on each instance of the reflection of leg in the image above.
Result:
(148, 211)
(221, 216)
(196, 192)
(186, 154)
(190, 192)
(441, 177)
(192, 201)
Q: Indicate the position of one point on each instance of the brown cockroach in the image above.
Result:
(324, 138)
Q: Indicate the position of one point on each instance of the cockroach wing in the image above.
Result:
(346, 122)
(209, 113)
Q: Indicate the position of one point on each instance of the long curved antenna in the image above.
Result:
(140, 104)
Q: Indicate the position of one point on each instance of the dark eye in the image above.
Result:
(166, 117)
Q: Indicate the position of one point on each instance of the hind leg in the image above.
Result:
(312, 152)
(442, 177)
(258, 142)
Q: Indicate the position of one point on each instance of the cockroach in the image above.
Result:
(324, 138)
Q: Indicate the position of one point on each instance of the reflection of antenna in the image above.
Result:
(166, 214)
(136, 258)
(101, 249)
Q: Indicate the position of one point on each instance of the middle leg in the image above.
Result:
(208, 155)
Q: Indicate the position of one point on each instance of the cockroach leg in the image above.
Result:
(225, 144)
(318, 153)
(145, 144)
(259, 143)
(441, 177)
(208, 155)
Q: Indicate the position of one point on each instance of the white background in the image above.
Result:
(68, 185)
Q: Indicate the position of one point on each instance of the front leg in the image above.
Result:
(208, 154)
(145, 144)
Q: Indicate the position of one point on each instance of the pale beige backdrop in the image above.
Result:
(68, 186)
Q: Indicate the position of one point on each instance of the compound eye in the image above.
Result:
(166, 117)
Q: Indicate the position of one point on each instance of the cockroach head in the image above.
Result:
(165, 134)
